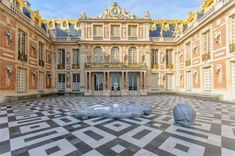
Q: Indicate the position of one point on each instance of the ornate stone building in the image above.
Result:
(117, 53)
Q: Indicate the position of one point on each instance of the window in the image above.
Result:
(154, 56)
(207, 79)
(132, 31)
(233, 29)
(188, 51)
(22, 38)
(98, 55)
(189, 81)
(132, 55)
(76, 56)
(21, 80)
(206, 42)
(98, 30)
(155, 82)
(41, 54)
(41, 81)
(115, 30)
(169, 81)
(61, 82)
(61, 56)
(115, 55)
(169, 57)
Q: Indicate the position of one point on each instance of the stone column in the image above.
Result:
(127, 85)
(108, 81)
(104, 83)
(123, 81)
(90, 83)
(141, 84)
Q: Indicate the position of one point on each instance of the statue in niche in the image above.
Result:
(143, 58)
(9, 38)
(106, 58)
(125, 58)
(83, 15)
(147, 15)
(89, 57)
(219, 73)
(8, 72)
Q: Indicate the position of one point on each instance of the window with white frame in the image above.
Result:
(169, 56)
(98, 30)
(115, 55)
(21, 80)
(206, 41)
(155, 82)
(41, 51)
(233, 29)
(132, 55)
(189, 81)
(76, 82)
(207, 75)
(41, 81)
(188, 51)
(154, 56)
(98, 55)
(132, 31)
(76, 56)
(115, 31)
(61, 56)
(169, 81)
(22, 43)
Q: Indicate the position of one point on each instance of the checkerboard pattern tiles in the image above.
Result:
(49, 127)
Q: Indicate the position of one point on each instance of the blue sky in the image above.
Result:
(159, 9)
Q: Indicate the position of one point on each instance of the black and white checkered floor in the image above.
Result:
(49, 127)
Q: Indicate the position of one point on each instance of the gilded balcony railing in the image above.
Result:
(188, 62)
(169, 66)
(60, 66)
(155, 66)
(232, 47)
(75, 66)
(206, 56)
(23, 57)
(115, 66)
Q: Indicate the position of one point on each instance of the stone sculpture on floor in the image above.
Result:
(184, 115)
(115, 111)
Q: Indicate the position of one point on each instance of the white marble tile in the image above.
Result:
(144, 152)
(145, 139)
(227, 152)
(91, 141)
(65, 148)
(30, 128)
(118, 148)
(4, 134)
(119, 128)
(60, 122)
(169, 146)
(92, 153)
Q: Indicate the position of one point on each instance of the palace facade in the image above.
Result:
(117, 53)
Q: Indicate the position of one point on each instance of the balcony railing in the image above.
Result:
(115, 66)
(23, 57)
(155, 66)
(206, 56)
(232, 47)
(41, 63)
(60, 66)
(169, 66)
(188, 62)
(75, 66)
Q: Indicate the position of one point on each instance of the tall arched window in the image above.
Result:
(98, 56)
(132, 55)
(115, 55)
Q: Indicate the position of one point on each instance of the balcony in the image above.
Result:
(60, 66)
(188, 62)
(23, 57)
(169, 66)
(41, 63)
(206, 56)
(232, 47)
(75, 66)
(155, 66)
(115, 66)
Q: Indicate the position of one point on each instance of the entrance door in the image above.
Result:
(133, 84)
(76, 82)
(116, 86)
(98, 84)
(21, 80)
(233, 80)
(207, 79)
(188, 81)
(61, 82)
(169, 82)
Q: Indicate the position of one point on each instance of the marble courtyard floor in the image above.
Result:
(49, 127)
